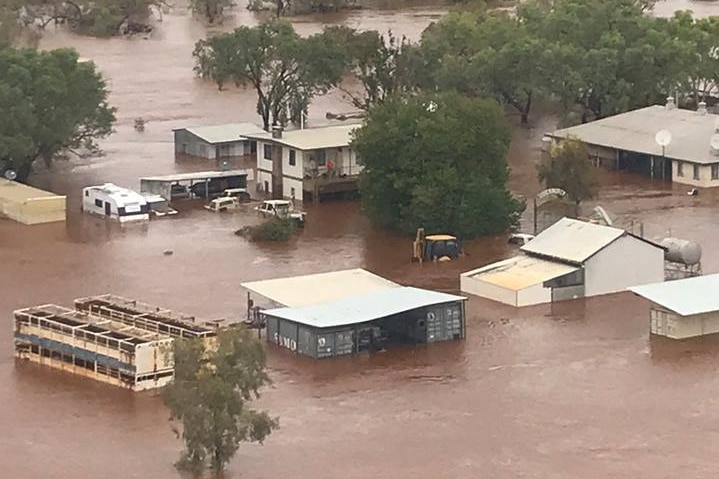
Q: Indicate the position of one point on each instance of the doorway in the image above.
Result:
(107, 209)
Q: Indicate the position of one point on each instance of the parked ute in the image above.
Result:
(281, 209)
(219, 205)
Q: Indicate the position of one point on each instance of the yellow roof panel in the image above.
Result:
(520, 272)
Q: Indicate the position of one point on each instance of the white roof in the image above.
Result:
(119, 194)
(224, 133)
(684, 296)
(200, 175)
(312, 138)
(520, 272)
(572, 240)
(635, 131)
(363, 307)
(319, 288)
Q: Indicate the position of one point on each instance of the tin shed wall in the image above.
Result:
(626, 262)
(484, 289)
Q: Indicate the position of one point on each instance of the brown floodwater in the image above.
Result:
(575, 389)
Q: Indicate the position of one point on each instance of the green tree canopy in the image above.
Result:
(210, 395)
(284, 69)
(384, 65)
(51, 103)
(438, 161)
(483, 53)
(567, 166)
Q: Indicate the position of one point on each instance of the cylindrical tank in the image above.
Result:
(682, 251)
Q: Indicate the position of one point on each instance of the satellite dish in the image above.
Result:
(10, 174)
(714, 142)
(225, 164)
(663, 137)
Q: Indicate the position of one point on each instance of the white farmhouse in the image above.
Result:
(311, 162)
(570, 259)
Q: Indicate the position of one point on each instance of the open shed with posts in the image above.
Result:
(684, 308)
(28, 205)
(347, 312)
(204, 184)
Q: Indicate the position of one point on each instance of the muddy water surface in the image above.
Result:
(572, 390)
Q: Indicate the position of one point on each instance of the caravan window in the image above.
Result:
(98, 203)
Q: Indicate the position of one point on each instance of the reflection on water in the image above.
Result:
(574, 389)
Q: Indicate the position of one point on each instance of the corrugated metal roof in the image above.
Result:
(200, 175)
(572, 240)
(312, 138)
(224, 133)
(363, 308)
(520, 272)
(635, 131)
(684, 296)
(319, 288)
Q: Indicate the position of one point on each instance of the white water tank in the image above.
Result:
(682, 251)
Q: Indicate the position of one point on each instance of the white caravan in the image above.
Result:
(118, 203)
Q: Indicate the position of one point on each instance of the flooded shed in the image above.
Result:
(28, 205)
(684, 308)
(570, 259)
(347, 312)
(217, 141)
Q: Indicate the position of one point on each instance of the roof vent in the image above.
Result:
(670, 103)
(276, 131)
(702, 108)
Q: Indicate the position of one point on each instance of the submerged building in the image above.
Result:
(347, 312)
(684, 308)
(688, 153)
(216, 141)
(90, 346)
(570, 259)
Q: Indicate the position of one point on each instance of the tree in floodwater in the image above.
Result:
(90, 17)
(384, 65)
(211, 10)
(52, 104)
(567, 166)
(437, 161)
(210, 395)
(485, 53)
(285, 70)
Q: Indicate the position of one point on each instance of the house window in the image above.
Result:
(268, 152)
(292, 193)
(293, 157)
(715, 171)
(98, 203)
(87, 193)
(680, 168)
(696, 172)
(321, 157)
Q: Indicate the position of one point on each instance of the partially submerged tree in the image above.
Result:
(567, 166)
(436, 161)
(52, 104)
(384, 65)
(210, 395)
(212, 10)
(284, 69)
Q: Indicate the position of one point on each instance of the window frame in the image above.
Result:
(292, 157)
(266, 147)
(680, 168)
(695, 171)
